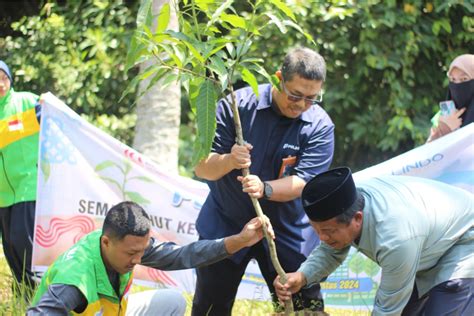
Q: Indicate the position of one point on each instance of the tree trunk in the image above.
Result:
(158, 113)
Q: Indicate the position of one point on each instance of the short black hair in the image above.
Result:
(305, 63)
(348, 215)
(126, 218)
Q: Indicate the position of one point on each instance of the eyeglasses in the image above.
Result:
(296, 98)
(458, 79)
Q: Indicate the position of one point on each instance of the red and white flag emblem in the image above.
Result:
(15, 125)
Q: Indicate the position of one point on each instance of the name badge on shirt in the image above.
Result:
(287, 164)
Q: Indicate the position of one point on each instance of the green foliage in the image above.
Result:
(387, 64)
(386, 61)
(206, 111)
(77, 51)
(187, 139)
(208, 54)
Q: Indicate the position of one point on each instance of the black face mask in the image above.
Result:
(462, 93)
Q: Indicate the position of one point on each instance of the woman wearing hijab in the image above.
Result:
(461, 92)
(19, 136)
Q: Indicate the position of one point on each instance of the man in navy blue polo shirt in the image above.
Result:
(290, 139)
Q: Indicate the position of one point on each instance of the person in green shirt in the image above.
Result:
(94, 276)
(19, 137)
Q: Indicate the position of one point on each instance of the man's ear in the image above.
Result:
(358, 217)
(105, 241)
(278, 74)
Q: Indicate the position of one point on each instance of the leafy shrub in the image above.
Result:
(77, 51)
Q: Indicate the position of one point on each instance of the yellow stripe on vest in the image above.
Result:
(104, 307)
(18, 126)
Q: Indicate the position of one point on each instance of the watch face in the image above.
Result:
(268, 190)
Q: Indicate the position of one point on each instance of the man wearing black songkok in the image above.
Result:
(419, 231)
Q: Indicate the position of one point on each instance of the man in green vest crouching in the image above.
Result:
(95, 275)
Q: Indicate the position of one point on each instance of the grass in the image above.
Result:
(7, 300)
(241, 307)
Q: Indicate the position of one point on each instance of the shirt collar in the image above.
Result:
(309, 115)
(102, 279)
(265, 98)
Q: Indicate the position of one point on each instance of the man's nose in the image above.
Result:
(137, 259)
(301, 103)
(323, 237)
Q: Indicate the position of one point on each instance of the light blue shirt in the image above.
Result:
(416, 230)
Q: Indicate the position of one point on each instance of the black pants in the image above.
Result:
(451, 298)
(217, 284)
(17, 223)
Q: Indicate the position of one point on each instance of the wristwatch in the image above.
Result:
(267, 190)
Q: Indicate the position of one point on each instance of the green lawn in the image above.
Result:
(5, 288)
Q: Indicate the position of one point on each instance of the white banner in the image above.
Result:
(449, 159)
(84, 171)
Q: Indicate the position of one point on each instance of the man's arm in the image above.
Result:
(249, 236)
(60, 299)
(215, 166)
(399, 265)
(287, 188)
(284, 189)
(320, 263)
(169, 256)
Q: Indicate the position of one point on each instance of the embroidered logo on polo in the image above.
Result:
(291, 146)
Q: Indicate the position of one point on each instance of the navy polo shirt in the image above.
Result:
(281, 147)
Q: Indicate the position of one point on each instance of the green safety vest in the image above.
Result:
(82, 266)
(19, 137)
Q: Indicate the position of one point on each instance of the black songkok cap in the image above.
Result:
(329, 194)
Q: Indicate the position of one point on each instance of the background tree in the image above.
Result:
(77, 51)
(159, 109)
(387, 63)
